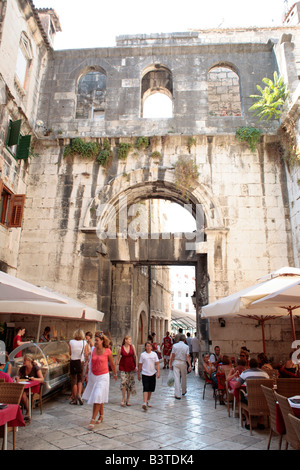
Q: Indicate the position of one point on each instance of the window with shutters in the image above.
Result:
(17, 144)
(23, 60)
(11, 207)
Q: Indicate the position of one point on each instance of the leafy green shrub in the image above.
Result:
(84, 149)
(105, 155)
(251, 135)
(142, 143)
(268, 105)
(123, 150)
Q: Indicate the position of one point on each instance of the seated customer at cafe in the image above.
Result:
(7, 378)
(290, 369)
(29, 371)
(263, 362)
(252, 373)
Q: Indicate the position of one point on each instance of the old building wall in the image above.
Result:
(243, 195)
(250, 199)
(22, 58)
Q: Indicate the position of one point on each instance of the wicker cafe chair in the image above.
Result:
(230, 399)
(286, 409)
(288, 387)
(257, 404)
(220, 390)
(11, 394)
(208, 381)
(271, 400)
(37, 398)
(296, 424)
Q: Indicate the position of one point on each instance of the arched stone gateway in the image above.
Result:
(121, 250)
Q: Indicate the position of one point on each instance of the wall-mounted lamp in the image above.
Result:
(222, 322)
(194, 299)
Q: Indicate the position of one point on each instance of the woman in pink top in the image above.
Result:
(96, 392)
(127, 361)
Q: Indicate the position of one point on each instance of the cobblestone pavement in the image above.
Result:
(187, 424)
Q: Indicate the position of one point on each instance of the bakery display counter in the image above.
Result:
(53, 358)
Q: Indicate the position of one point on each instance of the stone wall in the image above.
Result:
(250, 199)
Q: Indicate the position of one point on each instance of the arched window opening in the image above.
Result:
(158, 105)
(157, 93)
(91, 96)
(224, 97)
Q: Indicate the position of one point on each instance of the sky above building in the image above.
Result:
(94, 23)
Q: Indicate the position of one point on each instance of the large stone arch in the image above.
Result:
(119, 256)
(146, 184)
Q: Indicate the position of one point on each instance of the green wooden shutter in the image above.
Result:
(13, 134)
(23, 147)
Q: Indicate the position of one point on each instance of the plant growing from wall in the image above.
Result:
(288, 138)
(84, 149)
(155, 154)
(191, 142)
(123, 150)
(251, 135)
(186, 174)
(142, 143)
(268, 105)
(105, 155)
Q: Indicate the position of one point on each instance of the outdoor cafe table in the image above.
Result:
(33, 387)
(10, 416)
(280, 427)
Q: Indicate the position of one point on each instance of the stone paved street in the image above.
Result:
(187, 424)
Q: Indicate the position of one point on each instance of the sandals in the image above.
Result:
(123, 403)
(91, 425)
(128, 404)
(99, 420)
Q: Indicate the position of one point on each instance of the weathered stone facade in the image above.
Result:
(250, 199)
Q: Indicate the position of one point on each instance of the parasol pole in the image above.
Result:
(290, 311)
(263, 334)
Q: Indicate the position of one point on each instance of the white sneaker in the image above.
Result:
(144, 406)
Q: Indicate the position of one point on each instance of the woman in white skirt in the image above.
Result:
(97, 389)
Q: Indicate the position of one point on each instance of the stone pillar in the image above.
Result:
(121, 303)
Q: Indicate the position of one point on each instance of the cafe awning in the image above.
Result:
(20, 297)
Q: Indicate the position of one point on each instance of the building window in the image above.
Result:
(11, 207)
(91, 96)
(224, 97)
(23, 60)
(157, 93)
(17, 144)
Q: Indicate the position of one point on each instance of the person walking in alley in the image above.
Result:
(97, 390)
(179, 357)
(127, 361)
(166, 346)
(78, 351)
(149, 366)
(195, 347)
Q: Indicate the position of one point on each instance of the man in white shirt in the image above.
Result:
(179, 357)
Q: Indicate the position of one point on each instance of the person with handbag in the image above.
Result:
(97, 389)
(127, 360)
(79, 351)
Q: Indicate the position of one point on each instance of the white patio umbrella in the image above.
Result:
(21, 297)
(246, 303)
(15, 289)
(287, 299)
